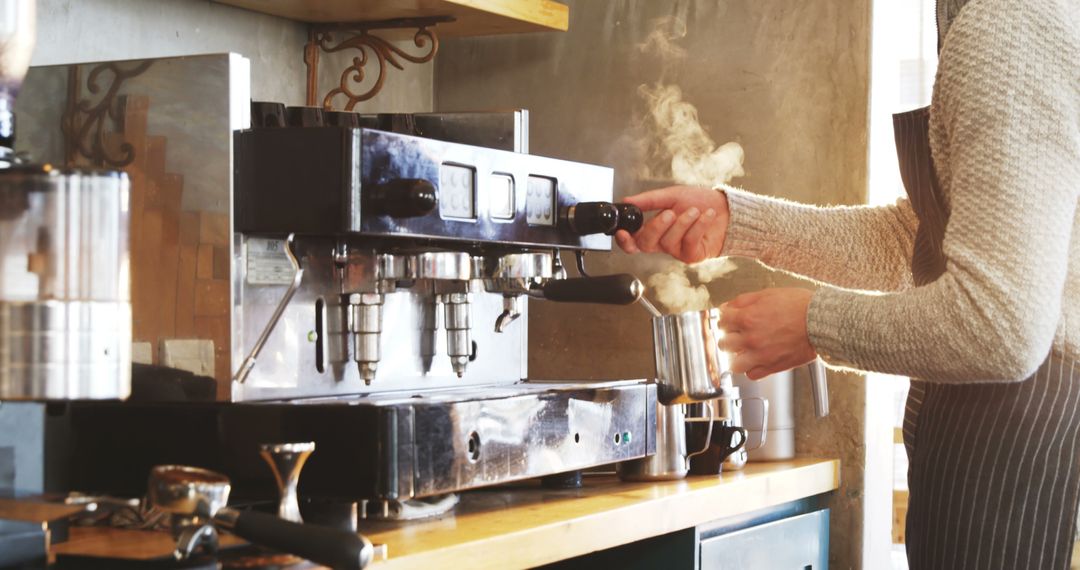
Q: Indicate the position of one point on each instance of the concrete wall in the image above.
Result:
(72, 31)
(787, 80)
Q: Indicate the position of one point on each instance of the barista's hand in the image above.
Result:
(766, 331)
(690, 228)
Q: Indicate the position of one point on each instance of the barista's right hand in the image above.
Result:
(690, 227)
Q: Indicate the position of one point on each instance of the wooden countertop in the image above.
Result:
(526, 526)
(519, 526)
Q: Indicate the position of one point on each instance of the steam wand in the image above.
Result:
(649, 307)
(644, 302)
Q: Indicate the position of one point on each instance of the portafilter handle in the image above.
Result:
(199, 495)
(336, 548)
(819, 387)
(619, 289)
(286, 460)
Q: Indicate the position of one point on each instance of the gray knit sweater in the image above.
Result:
(1005, 136)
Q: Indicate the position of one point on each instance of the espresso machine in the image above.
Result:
(380, 292)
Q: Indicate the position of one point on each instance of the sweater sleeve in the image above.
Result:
(1008, 100)
(858, 247)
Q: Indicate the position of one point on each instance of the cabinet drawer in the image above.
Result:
(796, 543)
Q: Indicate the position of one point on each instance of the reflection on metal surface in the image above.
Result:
(298, 275)
(286, 460)
(84, 121)
(534, 430)
(65, 310)
(408, 509)
(54, 350)
(272, 162)
(690, 367)
(412, 345)
(672, 458)
(322, 39)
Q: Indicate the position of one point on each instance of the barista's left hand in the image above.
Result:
(766, 331)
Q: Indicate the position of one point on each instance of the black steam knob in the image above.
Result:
(630, 218)
(402, 198)
(586, 218)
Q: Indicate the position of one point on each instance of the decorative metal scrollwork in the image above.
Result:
(84, 121)
(359, 37)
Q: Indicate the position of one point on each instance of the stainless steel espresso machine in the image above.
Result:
(379, 309)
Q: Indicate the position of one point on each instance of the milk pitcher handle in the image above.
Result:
(819, 387)
(764, 421)
(708, 433)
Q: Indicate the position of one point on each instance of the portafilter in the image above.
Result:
(197, 499)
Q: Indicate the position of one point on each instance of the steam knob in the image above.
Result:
(403, 198)
(630, 218)
(586, 218)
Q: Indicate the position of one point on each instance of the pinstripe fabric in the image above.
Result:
(994, 471)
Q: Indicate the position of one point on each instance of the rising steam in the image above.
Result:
(683, 148)
(680, 150)
(681, 287)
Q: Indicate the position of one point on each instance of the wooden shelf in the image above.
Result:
(472, 17)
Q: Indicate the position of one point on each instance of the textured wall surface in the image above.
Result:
(95, 30)
(787, 80)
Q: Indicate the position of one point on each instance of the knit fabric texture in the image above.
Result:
(1005, 137)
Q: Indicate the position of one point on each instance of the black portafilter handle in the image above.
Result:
(586, 218)
(619, 289)
(337, 548)
(402, 198)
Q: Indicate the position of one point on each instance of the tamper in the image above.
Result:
(286, 460)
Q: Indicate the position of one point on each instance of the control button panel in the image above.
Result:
(502, 205)
(457, 192)
(540, 194)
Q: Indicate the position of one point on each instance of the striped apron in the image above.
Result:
(994, 469)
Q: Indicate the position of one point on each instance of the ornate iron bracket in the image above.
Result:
(322, 39)
(83, 121)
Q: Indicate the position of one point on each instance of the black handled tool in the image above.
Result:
(586, 218)
(620, 289)
(339, 549)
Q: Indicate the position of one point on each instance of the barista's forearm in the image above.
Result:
(858, 247)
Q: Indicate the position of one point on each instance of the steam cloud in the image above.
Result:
(684, 149)
(680, 150)
(678, 293)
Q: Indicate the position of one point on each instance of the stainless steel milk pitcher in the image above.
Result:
(690, 367)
